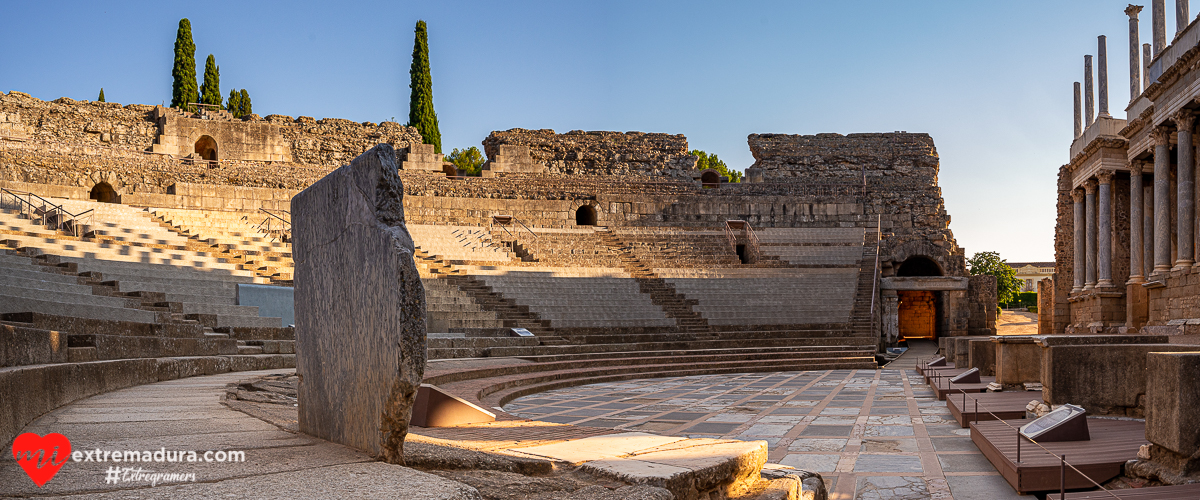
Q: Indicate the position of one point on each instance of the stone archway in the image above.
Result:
(919, 265)
(450, 170)
(206, 148)
(710, 178)
(103, 192)
(585, 215)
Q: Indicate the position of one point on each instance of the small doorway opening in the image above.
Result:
(918, 314)
(450, 170)
(741, 253)
(585, 216)
(710, 179)
(206, 148)
(104, 193)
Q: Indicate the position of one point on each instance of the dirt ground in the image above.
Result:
(1017, 323)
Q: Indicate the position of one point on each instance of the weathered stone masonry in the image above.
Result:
(594, 153)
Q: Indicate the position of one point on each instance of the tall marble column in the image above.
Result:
(1135, 223)
(1162, 199)
(1102, 74)
(1089, 103)
(1147, 229)
(1077, 271)
(1158, 16)
(1104, 230)
(1146, 57)
(1186, 185)
(1089, 188)
(1078, 112)
(1181, 15)
(1104, 236)
(1135, 60)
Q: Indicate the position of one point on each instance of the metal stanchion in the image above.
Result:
(1062, 477)
(1018, 445)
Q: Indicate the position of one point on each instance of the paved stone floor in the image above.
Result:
(870, 433)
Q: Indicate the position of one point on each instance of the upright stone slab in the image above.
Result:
(1173, 410)
(360, 307)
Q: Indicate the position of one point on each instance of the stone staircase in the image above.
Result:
(661, 293)
(245, 247)
(861, 318)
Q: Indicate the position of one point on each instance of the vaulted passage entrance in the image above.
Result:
(104, 193)
(206, 148)
(585, 216)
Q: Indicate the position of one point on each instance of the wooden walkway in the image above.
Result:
(926, 372)
(1180, 492)
(942, 386)
(1005, 405)
(1113, 443)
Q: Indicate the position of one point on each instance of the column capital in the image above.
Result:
(1133, 10)
(1161, 135)
(1136, 167)
(1090, 185)
(1184, 119)
(1106, 176)
(1077, 195)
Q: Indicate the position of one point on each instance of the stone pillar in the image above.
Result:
(1181, 15)
(1089, 103)
(1078, 112)
(1162, 199)
(1186, 186)
(891, 316)
(1148, 229)
(1145, 65)
(360, 307)
(1135, 60)
(1104, 236)
(1089, 188)
(1159, 20)
(1077, 270)
(1102, 73)
(1135, 223)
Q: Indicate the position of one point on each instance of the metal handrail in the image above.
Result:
(875, 275)
(283, 232)
(54, 212)
(752, 246)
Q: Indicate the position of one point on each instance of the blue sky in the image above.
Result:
(990, 81)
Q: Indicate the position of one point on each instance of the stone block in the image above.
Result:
(360, 307)
(982, 355)
(1018, 360)
(1173, 407)
(1104, 379)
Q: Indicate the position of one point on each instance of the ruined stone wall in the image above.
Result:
(899, 171)
(600, 153)
(845, 158)
(81, 143)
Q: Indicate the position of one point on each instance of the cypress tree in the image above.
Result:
(420, 103)
(233, 104)
(183, 89)
(244, 101)
(210, 92)
(101, 98)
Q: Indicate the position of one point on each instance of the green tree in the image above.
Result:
(101, 98)
(234, 103)
(470, 160)
(238, 103)
(244, 100)
(183, 88)
(707, 161)
(990, 263)
(210, 91)
(420, 102)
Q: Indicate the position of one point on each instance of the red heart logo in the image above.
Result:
(41, 457)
